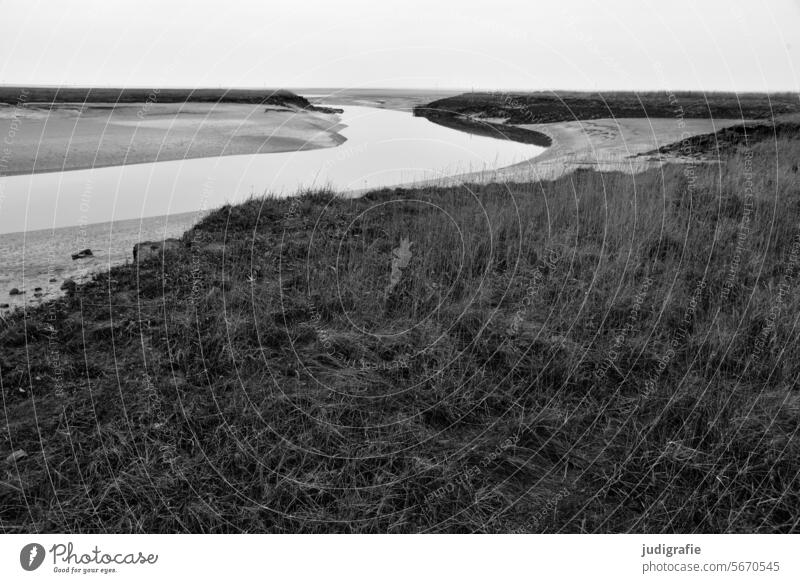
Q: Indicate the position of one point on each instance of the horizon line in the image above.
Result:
(388, 88)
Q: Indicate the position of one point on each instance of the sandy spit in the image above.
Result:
(600, 144)
(76, 136)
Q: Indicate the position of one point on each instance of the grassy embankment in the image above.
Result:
(598, 353)
(733, 138)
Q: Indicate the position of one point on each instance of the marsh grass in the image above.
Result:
(556, 106)
(602, 352)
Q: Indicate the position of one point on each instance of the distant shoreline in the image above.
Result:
(518, 108)
(11, 95)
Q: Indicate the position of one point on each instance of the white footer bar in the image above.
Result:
(402, 558)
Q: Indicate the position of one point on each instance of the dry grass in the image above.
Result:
(602, 352)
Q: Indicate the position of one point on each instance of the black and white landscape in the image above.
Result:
(366, 268)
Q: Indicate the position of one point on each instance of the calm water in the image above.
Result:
(67, 211)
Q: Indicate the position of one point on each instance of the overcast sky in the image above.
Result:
(490, 44)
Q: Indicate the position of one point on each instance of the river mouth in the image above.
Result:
(47, 217)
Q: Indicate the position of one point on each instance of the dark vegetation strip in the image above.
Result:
(733, 138)
(547, 107)
(97, 95)
(483, 128)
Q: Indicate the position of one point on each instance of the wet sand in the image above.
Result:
(71, 136)
(42, 259)
(600, 144)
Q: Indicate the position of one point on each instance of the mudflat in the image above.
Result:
(71, 136)
(608, 145)
(611, 144)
